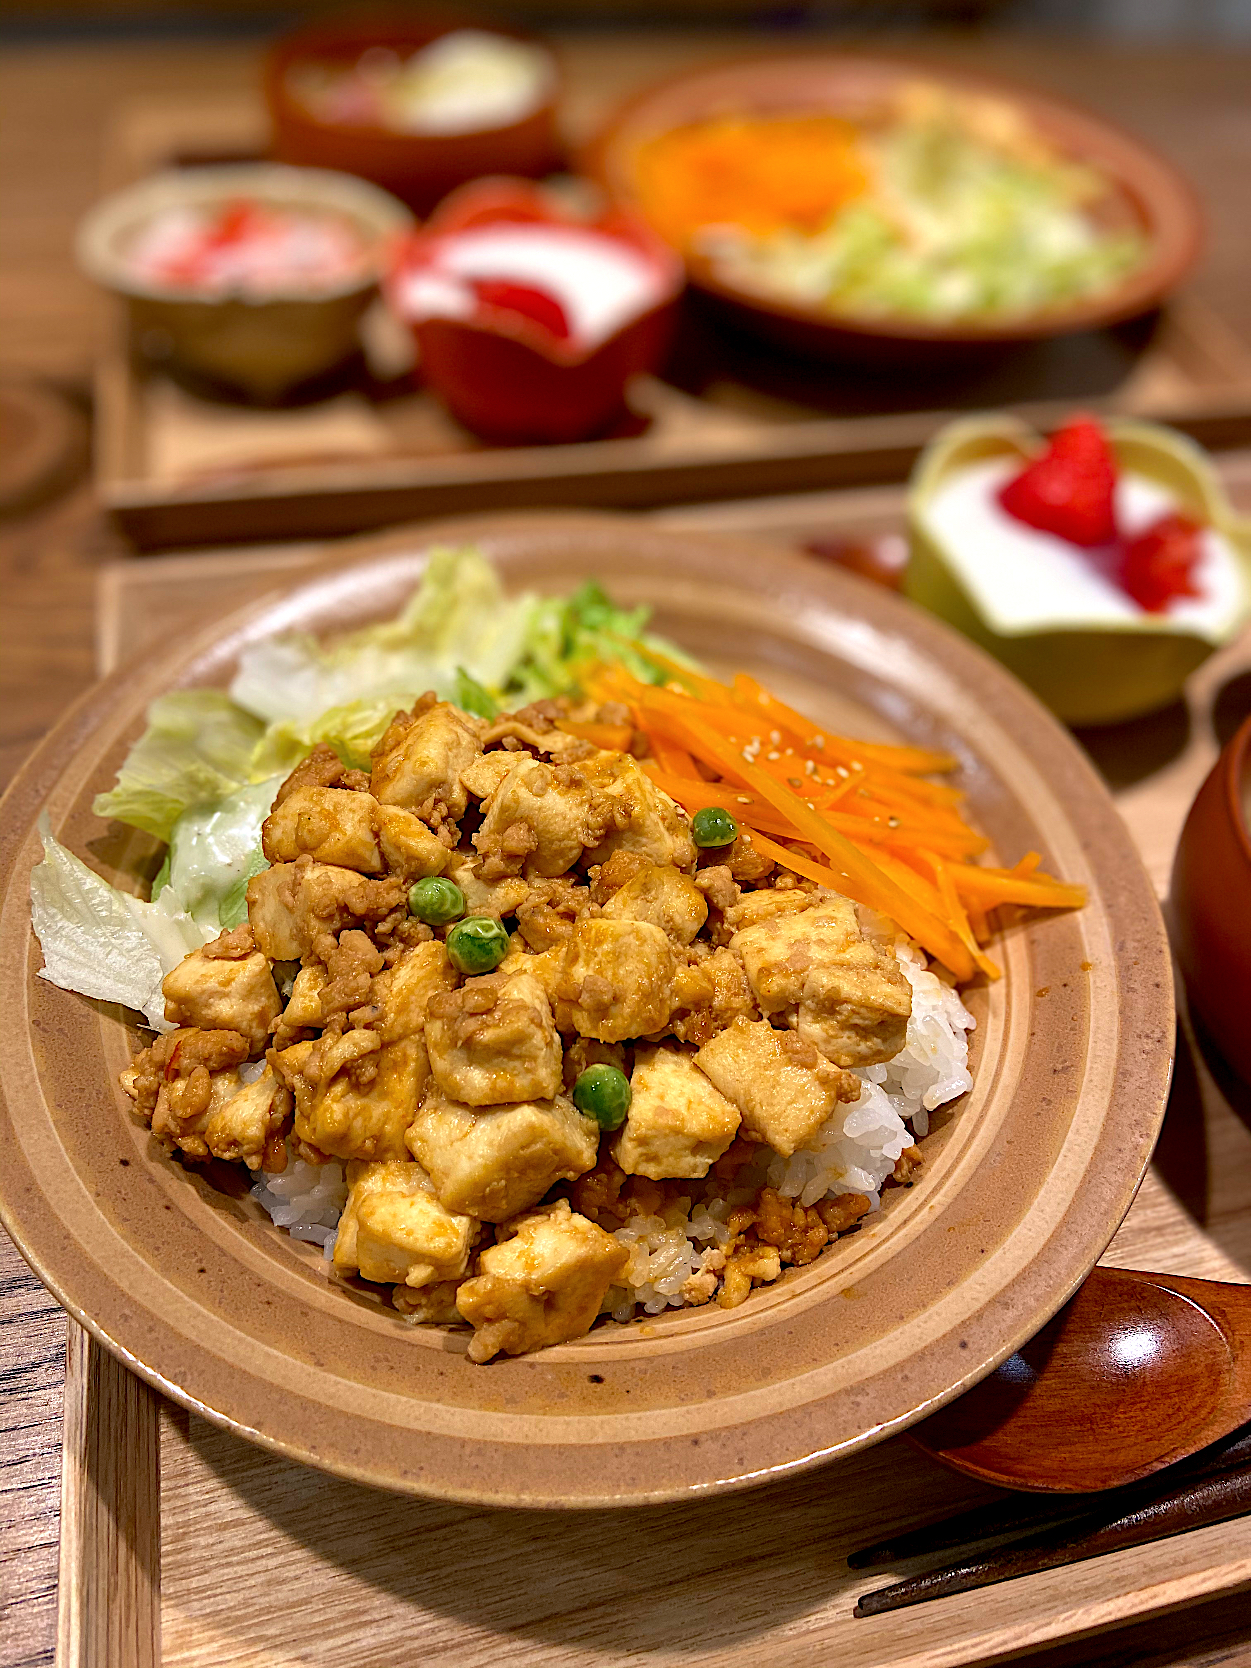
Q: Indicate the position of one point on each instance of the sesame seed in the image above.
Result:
(742, 799)
(842, 770)
(810, 767)
(892, 822)
(775, 736)
(794, 782)
(774, 755)
(818, 742)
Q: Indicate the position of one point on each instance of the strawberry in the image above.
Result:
(1158, 564)
(533, 304)
(1068, 491)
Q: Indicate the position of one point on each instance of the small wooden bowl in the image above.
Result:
(1146, 192)
(1210, 899)
(419, 168)
(261, 347)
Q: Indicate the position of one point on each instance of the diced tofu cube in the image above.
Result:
(408, 847)
(500, 1160)
(617, 977)
(642, 818)
(486, 897)
(395, 1231)
(366, 1103)
(752, 908)
(539, 816)
(542, 1286)
(290, 905)
(220, 993)
(418, 762)
(665, 897)
(678, 1123)
(304, 1004)
(494, 1041)
(784, 1089)
(333, 825)
(483, 775)
(845, 994)
(403, 991)
(243, 1126)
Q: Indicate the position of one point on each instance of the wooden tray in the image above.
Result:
(183, 1547)
(729, 416)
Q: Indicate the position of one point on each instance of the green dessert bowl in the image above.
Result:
(1044, 609)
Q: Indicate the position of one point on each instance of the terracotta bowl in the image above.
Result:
(1026, 1180)
(260, 347)
(419, 168)
(1210, 901)
(1146, 192)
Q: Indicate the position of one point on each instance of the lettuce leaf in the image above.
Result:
(196, 749)
(352, 730)
(100, 941)
(457, 617)
(565, 634)
(213, 849)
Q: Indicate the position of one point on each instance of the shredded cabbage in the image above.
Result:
(967, 216)
(102, 942)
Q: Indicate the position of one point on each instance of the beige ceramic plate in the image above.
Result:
(1026, 1181)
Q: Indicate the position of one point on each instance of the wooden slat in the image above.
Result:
(109, 1614)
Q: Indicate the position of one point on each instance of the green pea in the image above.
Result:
(603, 1093)
(436, 901)
(477, 944)
(713, 826)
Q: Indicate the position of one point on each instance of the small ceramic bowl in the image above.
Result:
(504, 377)
(1210, 899)
(1088, 673)
(264, 346)
(419, 168)
(1145, 192)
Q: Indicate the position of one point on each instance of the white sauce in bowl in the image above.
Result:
(600, 282)
(1024, 579)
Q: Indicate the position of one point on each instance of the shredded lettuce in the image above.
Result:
(566, 634)
(457, 618)
(212, 848)
(102, 942)
(196, 749)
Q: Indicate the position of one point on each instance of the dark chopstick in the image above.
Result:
(1008, 1517)
(1200, 1502)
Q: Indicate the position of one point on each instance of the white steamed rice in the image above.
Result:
(854, 1152)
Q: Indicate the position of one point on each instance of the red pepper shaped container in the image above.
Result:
(508, 373)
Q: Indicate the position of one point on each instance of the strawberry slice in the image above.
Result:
(1068, 491)
(533, 304)
(1159, 563)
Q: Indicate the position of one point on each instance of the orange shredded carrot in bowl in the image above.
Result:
(863, 818)
(761, 172)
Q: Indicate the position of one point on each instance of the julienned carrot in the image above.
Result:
(892, 839)
(612, 737)
(989, 887)
(755, 698)
(861, 879)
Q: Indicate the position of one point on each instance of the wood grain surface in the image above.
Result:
(1189, 102)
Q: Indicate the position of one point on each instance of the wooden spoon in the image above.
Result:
(1136, 1372)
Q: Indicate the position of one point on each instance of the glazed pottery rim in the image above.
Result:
(376, 215)
(1135, 293)
(1098, 1197)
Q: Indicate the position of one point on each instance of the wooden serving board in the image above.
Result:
(729, 416)
(185, 1547)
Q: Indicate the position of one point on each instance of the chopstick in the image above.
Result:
(1212, 1500)
(1211, 1488)
(1007, 1517)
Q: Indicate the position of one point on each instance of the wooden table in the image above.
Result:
(1191, 103)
